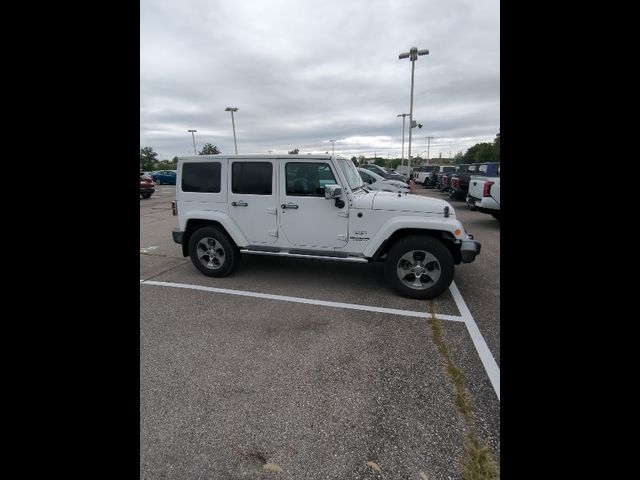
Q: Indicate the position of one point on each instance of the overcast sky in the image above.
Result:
(302, 72)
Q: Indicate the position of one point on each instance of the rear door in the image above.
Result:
(253, 198)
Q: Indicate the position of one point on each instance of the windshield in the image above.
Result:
(349, 171)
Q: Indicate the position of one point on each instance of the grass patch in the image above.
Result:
(478, 463)
(462, 399)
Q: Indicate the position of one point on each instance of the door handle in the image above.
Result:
(241, 203)
(289, 205)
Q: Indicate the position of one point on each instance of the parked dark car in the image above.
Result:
(146, 186)
(164, 176)
(434, 176)
(383, 172)
(460, 181)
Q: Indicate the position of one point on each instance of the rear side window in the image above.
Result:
(201, 177)
(251, 178)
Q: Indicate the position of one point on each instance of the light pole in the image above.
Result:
(428, 145)
(412, 55)
(194, 140)
(403, 115)
(233, 109)
(333, 148)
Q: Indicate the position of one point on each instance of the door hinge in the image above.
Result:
(272, 210)
(342, 237)
(344, 214)
(273, 233)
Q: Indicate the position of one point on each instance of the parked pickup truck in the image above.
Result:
(484, 195)
(460, 181)
(314, 207)
(420, 173)
(445, 179)
(432, 180)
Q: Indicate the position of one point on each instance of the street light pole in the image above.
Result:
(412, 55)
(403, 115)
(333, 149)
(194, 140)
(428, 145)
(233, 123)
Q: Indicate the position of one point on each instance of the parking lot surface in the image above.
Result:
(239, 386)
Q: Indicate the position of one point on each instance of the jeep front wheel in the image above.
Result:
(213, 252)
(419, 266)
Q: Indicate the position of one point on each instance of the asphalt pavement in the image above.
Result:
(235, 386)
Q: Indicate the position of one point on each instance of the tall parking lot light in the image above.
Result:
(403, 115)
(194, 140)
(412, 55)
(233, 123)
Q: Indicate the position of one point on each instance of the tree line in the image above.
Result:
(149, 159)
(479, 153)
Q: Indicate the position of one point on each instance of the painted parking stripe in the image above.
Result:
(308, 301)
(489, 363)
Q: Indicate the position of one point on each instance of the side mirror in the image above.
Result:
(332, 191)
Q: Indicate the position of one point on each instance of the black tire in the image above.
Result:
(436, 250)
(145, 195)
(227, 254)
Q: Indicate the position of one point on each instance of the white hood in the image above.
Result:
(409, 203)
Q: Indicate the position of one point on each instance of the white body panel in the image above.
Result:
(476, 191)
(359, 228)
(257, 219)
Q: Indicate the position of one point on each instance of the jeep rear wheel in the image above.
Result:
(419, 266)
(213, 252)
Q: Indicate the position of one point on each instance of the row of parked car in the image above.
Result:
(160, 177)
(477, 183)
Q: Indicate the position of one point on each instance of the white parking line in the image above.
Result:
(489, 363)
(308, 301)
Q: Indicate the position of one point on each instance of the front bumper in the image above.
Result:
(469, 250)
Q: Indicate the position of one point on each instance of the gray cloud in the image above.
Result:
(302, 72)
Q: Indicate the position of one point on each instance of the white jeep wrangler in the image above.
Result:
(317, 207)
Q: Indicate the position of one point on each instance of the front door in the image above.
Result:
(253, 199)
(307, 219)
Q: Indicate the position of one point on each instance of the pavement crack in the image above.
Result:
(160, 273)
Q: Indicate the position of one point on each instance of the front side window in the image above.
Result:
(251, 178)
(203, 177)
(308, 179)
(483, 169)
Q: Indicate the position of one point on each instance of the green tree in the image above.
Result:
(147, 159)
(295, 151)
(380, 162)
(458, 158)
(395, 163)
(208, 149)
(496, 147)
